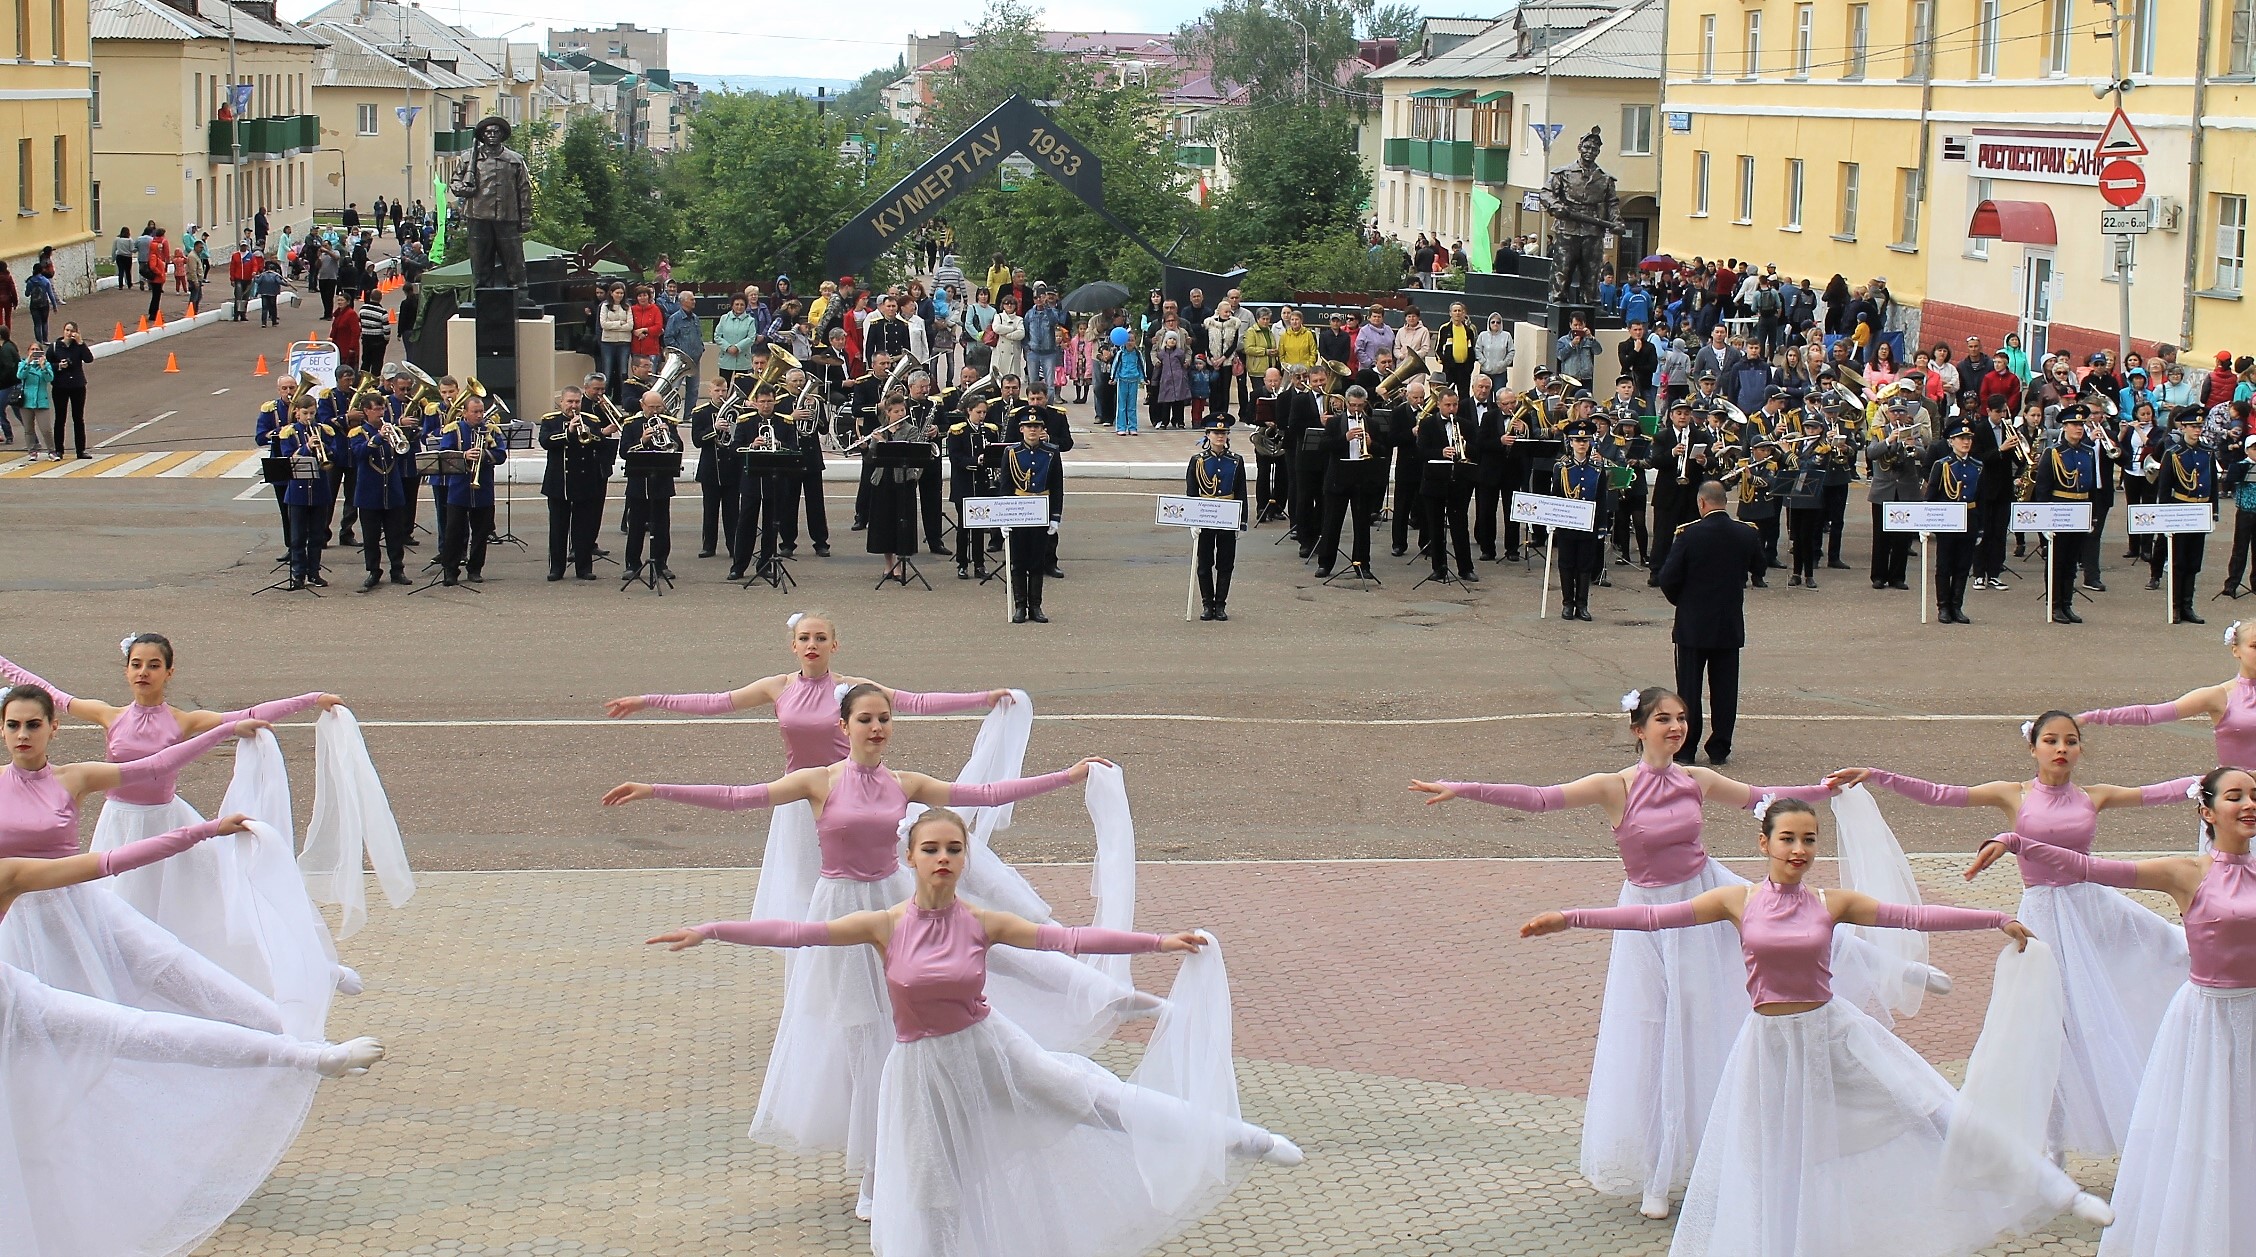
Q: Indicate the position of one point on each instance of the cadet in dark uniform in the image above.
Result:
(335, 410)
(307, 502)
(272, 414)
(1304, 419)
(1680, 443)
(1805, 503)
(2065, 473)
(1628, 447)
(380, 483)
(1034, 470)
(1957, 478)
(717, 467)
(1580, 554)
(1216, 472)
(470, 497)
(1355, 468)
(1709, 564)
(928, 422)
(650, 495)
(968, 442)
(573, 482)
(1898, 463)
(763, 502)
(2188, 474)
(1401, 422)
(1057, 434)
(1761, 503)
(1498, 471)
(1446, 486)
(812, 420)
(414, 419)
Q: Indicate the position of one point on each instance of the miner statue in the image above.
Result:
(493, 194)
(1584, 205)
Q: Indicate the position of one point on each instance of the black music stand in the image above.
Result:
(992, 460)
(450, 463)
(900, 458)
(649, 465)
(774, 468)
(1533, 450)
(515, 435)
(279, 472)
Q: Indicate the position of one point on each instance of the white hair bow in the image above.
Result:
(1629, 700)
(1762, 807)
(125, 644)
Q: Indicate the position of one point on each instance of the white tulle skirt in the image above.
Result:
(1826, 1140)
(86, 939)
(2187, 1184)
(240, 901)
(2120, 966)
(127, 1133)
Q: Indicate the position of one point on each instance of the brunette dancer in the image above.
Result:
(2119, 962)
(1828, 1132)
(988, 1144)
(2229, 705)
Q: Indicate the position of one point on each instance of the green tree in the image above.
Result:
(1262, 45)
(1339, 262)
(861, 100)
(1295, 174)
(767, 186)
(589, 190)
(1401, 22)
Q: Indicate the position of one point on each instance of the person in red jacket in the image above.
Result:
(649, 321)
(2001, 382)
(344, 329)
(160, 265)
(242, 270)
(2222, 380)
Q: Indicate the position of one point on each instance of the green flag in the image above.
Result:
(439, 217)
(1485, 208)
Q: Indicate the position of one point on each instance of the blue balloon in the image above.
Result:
(1120, 338)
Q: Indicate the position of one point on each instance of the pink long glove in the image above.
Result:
(277, 709)
(718, 798)
(768, 933)
(1519, 798)
(2164, 793)
(1644, 916)
(18, 676)
(1088, 940)
(718, 704)
(1807, 794)
(148, 851)
(995, 794)
(2072, 864)
(1918, 791)
(1935, 918)
(910, 703)
(175, 757)
(2149, 714)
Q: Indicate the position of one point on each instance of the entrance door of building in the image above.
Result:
(2036, 302)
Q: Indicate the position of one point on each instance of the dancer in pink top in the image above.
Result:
(1661, 1040)
(1827, 1135)
(2119, 962)
(243, 904)
(2230, 706)
(986, 1143)
(2188, 1173)
(820, 1092)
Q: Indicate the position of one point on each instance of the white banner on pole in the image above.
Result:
(2052, 516)
(318, 356)
(1185, 512)
(1923, 517)
(1014, 512)
(2171, 517)
(1552, 512)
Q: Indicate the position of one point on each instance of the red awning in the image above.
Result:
(2021, 222)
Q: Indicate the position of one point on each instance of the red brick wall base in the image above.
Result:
(1952, 324)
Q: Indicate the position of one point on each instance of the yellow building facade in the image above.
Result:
(45, 97)
(1859, 139)
(367, 149)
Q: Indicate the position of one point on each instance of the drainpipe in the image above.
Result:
(2195, 196)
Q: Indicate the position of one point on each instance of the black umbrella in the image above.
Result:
(1096, 298)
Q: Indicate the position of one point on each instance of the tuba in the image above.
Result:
(672, 380)
(1390, 388)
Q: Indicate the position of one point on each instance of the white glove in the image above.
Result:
(1053, 527)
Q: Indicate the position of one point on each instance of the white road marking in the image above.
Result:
(132, 465)
(104, 444)
(217, 391)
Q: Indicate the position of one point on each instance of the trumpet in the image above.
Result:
(658, 436)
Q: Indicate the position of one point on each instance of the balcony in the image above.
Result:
(1452, 159)
(1200, 155)
(448, 142)
(263, 138)
(1421, 156)
(1492, 165)
(1397, 153)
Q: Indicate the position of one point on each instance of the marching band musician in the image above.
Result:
(1355, 472)
(414, 419)
(573, 483)
(1503, 426)
(631, 391)
(2186, 473)
(2065, 473)
(1629, 448)
(1269, 454)
(1838, 453)
(1581, 556)
(2001, 456)
(1216, 472)
(335, 410)
(1805, 499)
(470, 496)
(1897, 459)
(1400, 420)
(650, 494)
(925, 424)
(384, 453)
(272, 415)
(763, 510)
(865, 399)
(1034, 470)
(1009, 405)
(717, 464)
(1760, 502)
(307, 502)
(1956, 478)
(891, 492)
(1708, 401)
(1681, 458)
(1446, 485)
(1624, 404)
(450, 391)
(1495, 427)
(1303, 422)
(810, 415)
(968, 442)
(1774, 419)
(1582, 412)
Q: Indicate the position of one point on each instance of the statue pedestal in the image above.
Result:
(514, 357)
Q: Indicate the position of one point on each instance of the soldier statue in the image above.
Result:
(1584, 205)
(493, 194)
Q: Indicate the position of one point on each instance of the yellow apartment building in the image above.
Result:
(45, 98)
(1860, 139)
(367, 148)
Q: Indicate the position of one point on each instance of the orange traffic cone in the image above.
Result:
(119, 334)
(261, 366)
(391, 316)
(160, 319)
(172, 364)
(191, 309)
(144, 324)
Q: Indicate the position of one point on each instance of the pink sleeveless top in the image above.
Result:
(2236, 729)
(1787, 937)
(807, 712)
(2220, 925)
(860, 825)
(936, 972)
(137, 733)
(38, 820)
(1659, 834)
(2061, 816)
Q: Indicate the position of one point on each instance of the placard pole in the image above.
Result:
(1926, 583)
(2050, 541)
(1543, 600)
(2169, 575)
(1190, 596)
(1010, 589)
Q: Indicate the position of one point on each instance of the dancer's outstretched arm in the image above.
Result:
(86, 778)
(1595, 790)
(1716, 787)
(933, 792)
(758, 694)
(195, 722)
(847, 931)
(1724, 903)
(2160, 794)
(789, 788)
(2209, 700)
(2002, 795)
(1852, 907)
(2176, 876)
(23, 876)
(1012, 930)
(83, 708)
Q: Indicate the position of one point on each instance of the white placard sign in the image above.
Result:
(1014, 512)
(1923, 517)
(1552, 512)
(318, 356)
(1182, 512)
(2171, 517)
(2052, 516)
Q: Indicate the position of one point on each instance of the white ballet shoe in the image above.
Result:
(348, 982)
(1938, 982)
(1655, 1206)
(1283, 1151)
(864, 1207)
(353, 1057)
(2092, 1209)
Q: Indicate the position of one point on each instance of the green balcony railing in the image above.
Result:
(453, 141)
(1421, 156)
(1453, 159)
(263, 138)
(1492, 165)
(1397, 152)
(1201, 155)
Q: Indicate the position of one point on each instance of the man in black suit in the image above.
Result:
(1355, 476)
(1706, 577)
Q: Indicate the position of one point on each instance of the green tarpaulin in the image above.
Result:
(1483, 253)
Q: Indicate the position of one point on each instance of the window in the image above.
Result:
(1700, 163)
(1793, 194)
(2240, 48)
(1860, 39)
(1805, 21)
(368, 119)
(1746, 190)
(94, 98)
(1847, 226)
(56, 25)
(1977, 191)
(2060, 20)
(1753, 65)
(2232, 242)
(1907, 210)
(23, 177)
(62, 173)
(23, 30)
(96, 208)
(1707, 46)
(1637, 131)
(1919, 48)
(1986, 40)
(2139, 55)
